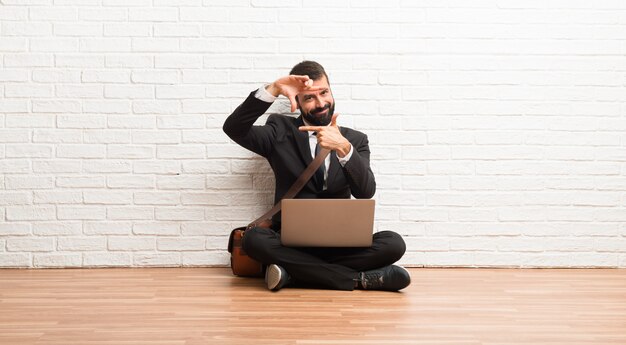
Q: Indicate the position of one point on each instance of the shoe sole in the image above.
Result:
(273, 276)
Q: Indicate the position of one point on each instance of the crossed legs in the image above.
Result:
(333, 268)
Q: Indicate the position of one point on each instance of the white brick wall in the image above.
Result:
(497, 127)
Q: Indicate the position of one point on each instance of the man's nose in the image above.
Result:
(319, 102)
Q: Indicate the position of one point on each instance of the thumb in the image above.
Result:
(333, 120)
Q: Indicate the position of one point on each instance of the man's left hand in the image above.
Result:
(329, 137)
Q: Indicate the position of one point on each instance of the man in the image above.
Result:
(289, 145)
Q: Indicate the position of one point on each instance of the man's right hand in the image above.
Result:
(290, 86)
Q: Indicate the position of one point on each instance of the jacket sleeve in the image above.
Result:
(358, 172)
(239, 126)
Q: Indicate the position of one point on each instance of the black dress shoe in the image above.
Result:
(389, 278)
(276, 277)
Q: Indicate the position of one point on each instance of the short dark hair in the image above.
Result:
(311, 68)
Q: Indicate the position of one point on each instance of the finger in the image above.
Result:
(333, 120)
(313, 88)
(310, 128)
(301, 77)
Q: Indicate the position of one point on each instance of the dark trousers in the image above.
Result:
(332, 268)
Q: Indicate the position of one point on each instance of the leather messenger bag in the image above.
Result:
(241, 264)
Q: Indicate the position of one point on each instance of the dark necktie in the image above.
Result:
(320, 172)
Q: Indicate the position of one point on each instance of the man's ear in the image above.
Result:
(298, 104)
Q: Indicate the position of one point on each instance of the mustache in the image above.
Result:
(319, 110)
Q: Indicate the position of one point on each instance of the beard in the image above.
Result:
(319, 116)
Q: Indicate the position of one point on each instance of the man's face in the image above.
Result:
(317, 107)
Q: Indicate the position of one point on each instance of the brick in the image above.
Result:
(103, 14)
(155, 45)
(81, 151)
(180, 122)
(156, 198)
(129, 61)
(14, 166)
(178, 61)
(152, 15)
(160, 167)
(156, 228)
(105, 259)
(130, 213)
(130, 152)
(157, 260)
(127, 182)
(181, 214)
(203, 106)
(133, 122)
(80, 182)
(127, 29)
(128, 91)
(180, 243)
(41, 106)
(155, 77)
(177, 30)
(181, 152)
(79, 91)
(57, 197)
(81, 213)
(108, 197)
(156, 137)
(30, 213)
(9, 75)
(28, 60)
(105, 45)
(107, 166)
(156, 107)
(131, 243)
(105, 76)
(29, 182)
(79, 60)
(15, 260)
(77, 29)
(57, 260)
(106, 107)
(53, 45)
(206, 258)
(55, 76)
(204, 228)
(57, 229)
(107, 228)
(15, 229)
(56, 166)
(96, 136)
(26, 29)
(181, 182)
(205, 137)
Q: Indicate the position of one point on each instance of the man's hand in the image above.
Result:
(290, 86)
(329, 137)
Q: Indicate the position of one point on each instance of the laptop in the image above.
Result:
(327, 222)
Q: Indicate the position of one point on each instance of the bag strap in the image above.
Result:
(296, 186)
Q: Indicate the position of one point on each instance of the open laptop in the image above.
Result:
(327, 222)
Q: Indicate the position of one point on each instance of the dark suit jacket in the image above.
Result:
(287, 150)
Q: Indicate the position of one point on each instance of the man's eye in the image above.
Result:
(324, 92)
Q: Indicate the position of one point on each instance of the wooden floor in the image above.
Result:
(209, 306)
